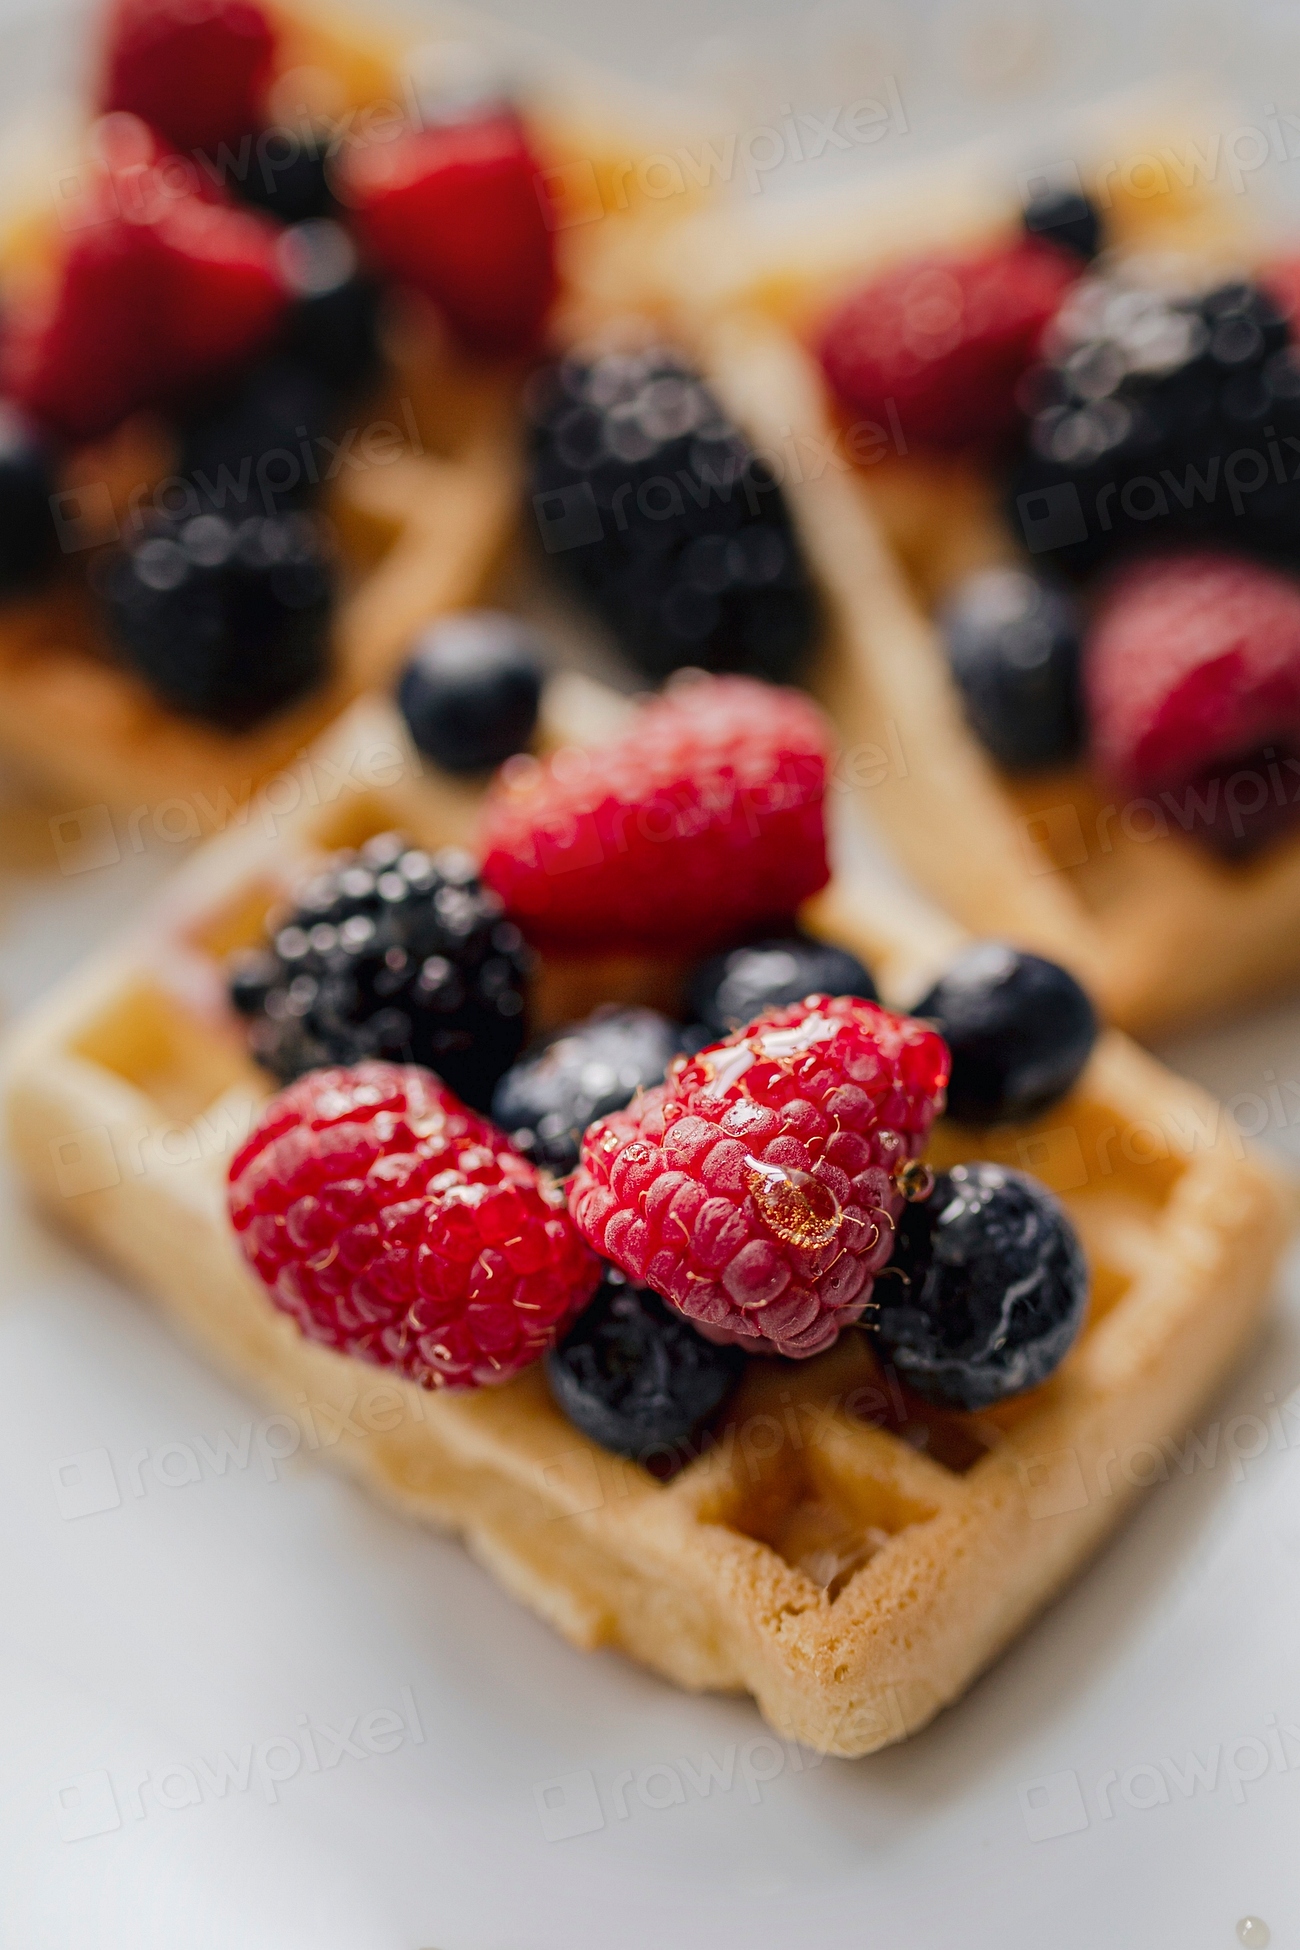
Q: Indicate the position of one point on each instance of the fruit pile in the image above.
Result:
(655, 1199)
(224, 274)
(1148, 437)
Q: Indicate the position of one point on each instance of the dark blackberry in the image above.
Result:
(729, 990)
(390, 952)
(1159, 417)
(288, 176)
(637, 1377)
(470, 691)
(580, 1073)
(1064, 217)
(28, 542)
(1013, 648)
(655, 507)
(986, 1289)
(333, 327)
(226, 620)
(1018, 1028)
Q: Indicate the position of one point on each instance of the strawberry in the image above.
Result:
(459, 212)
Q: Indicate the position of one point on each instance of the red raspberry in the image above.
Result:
(160, 287)
(755, 1190)
(942, 341)
(702, 821)
(460, 213)
(196, 69)
(1194, 661)
(399, 1227)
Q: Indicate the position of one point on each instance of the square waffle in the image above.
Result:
(848, 1555)
(1159, 929)
(427, 501)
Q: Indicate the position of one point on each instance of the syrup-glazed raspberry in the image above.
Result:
(758, 1189)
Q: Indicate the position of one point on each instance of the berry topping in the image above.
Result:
(460, 211)
(1193, 680)
(1064, 217)
(1019, 1031)
(394, 1225)
(756, 1190)
(288, 176)
(655, 507)
(636, 1377)
(986, 1290)
(389, 952)
(333, 326)
(471, 689)
(27, 534)
(226, 620)
(1013, 648)
(578, 1074)
(159, 289)
(702, 822)
(942, 341)
(734, 987)
(241, 450)
(196, 70)
(1159, 416)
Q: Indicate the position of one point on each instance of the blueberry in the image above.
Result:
(653, 505)
(1019, 1029)
(226, 620)
(27, 535)
(1064, 217)
(635, 1376)
(287, 176)
(1013, 648)
(333, 326)
(389, 952)
(730, 989)
(470, 691)
(242, 451)
(578, 1074)
(986, 1289)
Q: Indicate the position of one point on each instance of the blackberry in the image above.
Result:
(1018, 1028)
(471, 689)
(986, 1289)
(226, 620)
(254, 448)
(578, 1074)
(1013, 648)
(635, 1376)
(1159, 417)
(333, 327)
(395, 953)
(1064, 217)
(656, 509)
(729, 990)
(27, 533)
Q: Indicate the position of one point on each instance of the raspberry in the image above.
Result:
(698, 825)
(1193, 672)
(942, 341)
(692, 559)
(397, 1226)
(460, 213)
(159, 289)
(197, 70)
(756, 1190)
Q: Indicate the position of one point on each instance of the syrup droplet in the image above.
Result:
(793, 1204)
(1254, 1932)
(914, 1180)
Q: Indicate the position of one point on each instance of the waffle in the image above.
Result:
(1159, 929)
(421, 528)
(846, 1554)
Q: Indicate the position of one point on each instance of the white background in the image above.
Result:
(220, 1614)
